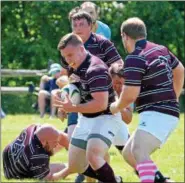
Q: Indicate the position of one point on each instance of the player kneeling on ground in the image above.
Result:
(28, 156)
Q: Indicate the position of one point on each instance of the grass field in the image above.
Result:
(169, 159)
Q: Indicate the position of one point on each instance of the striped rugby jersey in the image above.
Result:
(25, 157)
(94, 77)
(101, 47)
(150, 66)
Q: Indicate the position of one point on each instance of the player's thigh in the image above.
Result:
(106, 127)
(77, 161)
(127, 154)
(156, 125)
(122, 136)
(144, 143)
(81, 132)
(103, 132)
(97, 146)
(70, 130)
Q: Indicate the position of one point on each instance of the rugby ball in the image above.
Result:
(73, 92)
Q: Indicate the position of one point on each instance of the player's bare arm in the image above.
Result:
(178, 79)
(97, 104)
(128, 95)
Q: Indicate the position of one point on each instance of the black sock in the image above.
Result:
(120, 148)
(90, 173)
(136, 172)
(105, 174)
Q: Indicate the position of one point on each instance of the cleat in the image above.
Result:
(119, 179)
(167, 179)
(79, 178)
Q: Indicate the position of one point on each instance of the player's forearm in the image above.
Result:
(124, 101)
(178, 79)
(91, 107)
(60, 175)
(56, 172)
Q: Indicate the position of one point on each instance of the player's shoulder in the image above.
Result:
(95, 61)
(151, 45)
(96, 65)
(135, 60)
(100, 39)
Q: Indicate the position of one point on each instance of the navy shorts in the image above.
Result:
(72, 118)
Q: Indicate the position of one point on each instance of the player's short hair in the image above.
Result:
(134, 28)
(116, 69)
(86, 4)
(80, 15)
(72, 12)
(71, 39)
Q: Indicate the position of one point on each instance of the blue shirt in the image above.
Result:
(103, 30)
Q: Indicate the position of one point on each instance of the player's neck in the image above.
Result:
(87, 38)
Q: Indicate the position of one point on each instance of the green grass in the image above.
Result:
(169, 159)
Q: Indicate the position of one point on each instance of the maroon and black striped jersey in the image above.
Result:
(25, 157)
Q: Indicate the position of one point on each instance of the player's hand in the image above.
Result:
(113, 108)
(66, 105)
(74, 78)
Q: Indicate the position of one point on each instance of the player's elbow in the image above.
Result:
(178, 72)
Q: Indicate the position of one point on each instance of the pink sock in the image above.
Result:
(146, 170)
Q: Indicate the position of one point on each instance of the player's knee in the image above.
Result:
(126, 152)
(72, 168)
(135, 149)
(92, 158)
(76, 168)
(91, 154)
(139, 153)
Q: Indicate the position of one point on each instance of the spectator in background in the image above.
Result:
(48, 87)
